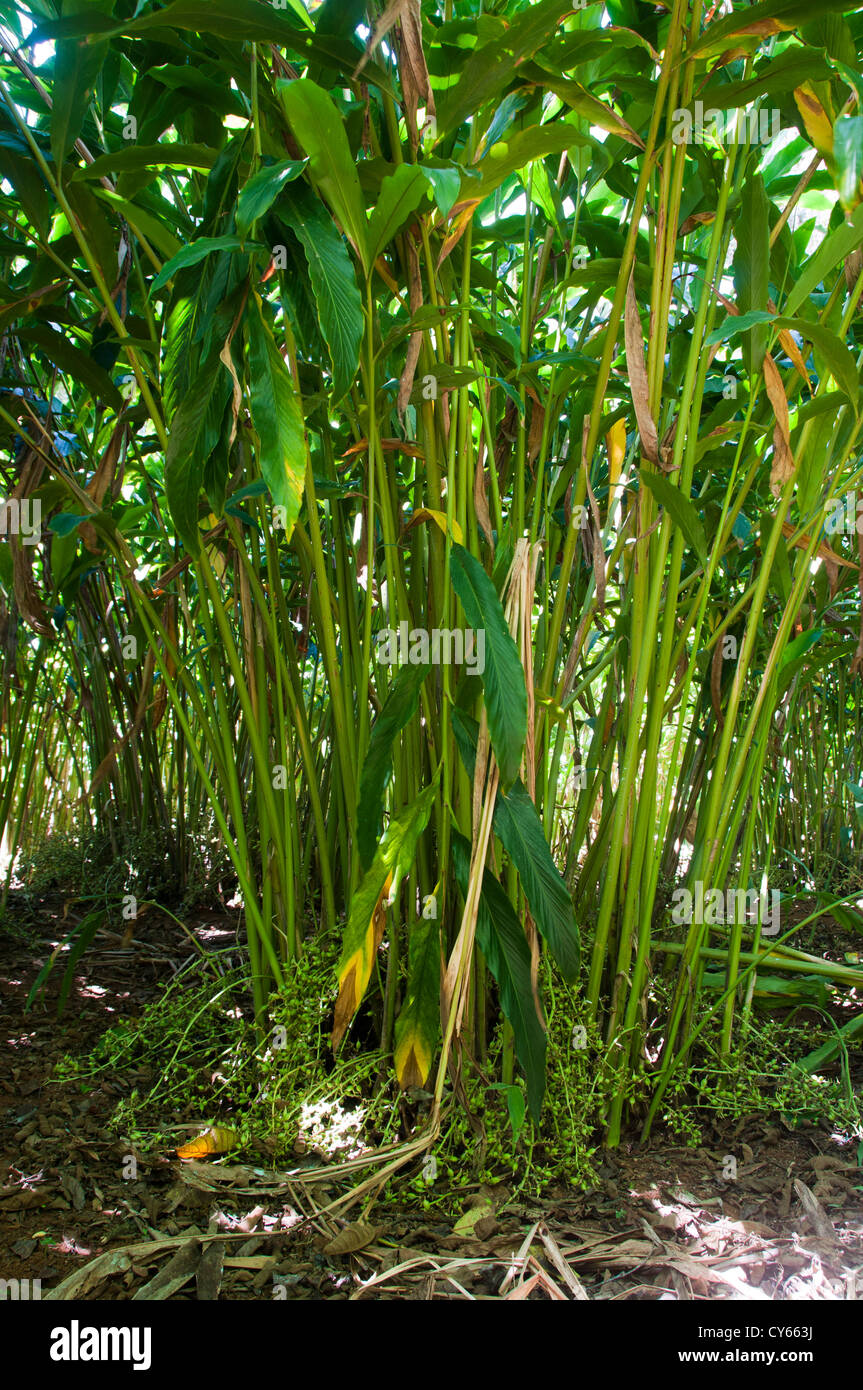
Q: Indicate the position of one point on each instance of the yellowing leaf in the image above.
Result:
(818, 125)
(393, 859)
(616, 443)
(439, 519)
(795, 355)
(783, 459)
(465, 1224)
(460, 223)
(355, 973)
(216, 1140)
(418, 1023)
(763, 28)
(413, 1059)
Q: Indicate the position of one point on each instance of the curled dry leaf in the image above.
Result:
(354, 1237)
(461, 217)
(783, 459)
(637, 370)
(106, 477)
(415, 291)
(30, 605)
(413, 71)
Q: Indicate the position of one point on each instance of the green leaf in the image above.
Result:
(393, 859)
(256, 21)
(777, 988)
(189, 323)
(521, 148)
(519, 828)
(734, 324)
(77, 64)
(837, 356)
(26, 178)
(752, 266)
(789, 14)
(681, 509)
(137, 157)
(189, 445)
(259, 194)
(834, 248)
(84, 935)
(848, 158)
(64, 523)
(848, 917)
(62, 352)
(142, 222)
(401, 194)
(278, 419)
(445, 181)
(503, 678)
(502, 941)
(188, 78)
(515, 1107)
(494, 64)
(817, 1060)
(181, 350)
(320, 129)
(78, 939)
(581, 102)
(394, 855)
(799, 645)
(337, 297)
(520, 831)
(778, 77)
(418, 1023)
(857, 793)
(197, 251)
(399, 709)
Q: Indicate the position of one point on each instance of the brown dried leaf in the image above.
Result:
(237, 394)
(637, 370)
(411, 59)
(819, 1219)
(783, 459)
(354, 1237)
(406, 381)
(480, 500)
(597, 552)
(177, 1272)
(534, 434)
(30, 605)
(461, 216)
(208, 1276)
(697, 219)
(103, 478)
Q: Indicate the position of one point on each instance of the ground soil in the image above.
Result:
(664, 1222)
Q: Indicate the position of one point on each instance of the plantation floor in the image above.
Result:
(665, 1221)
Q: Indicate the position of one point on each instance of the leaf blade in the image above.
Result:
(503, 677)
(278, 420)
